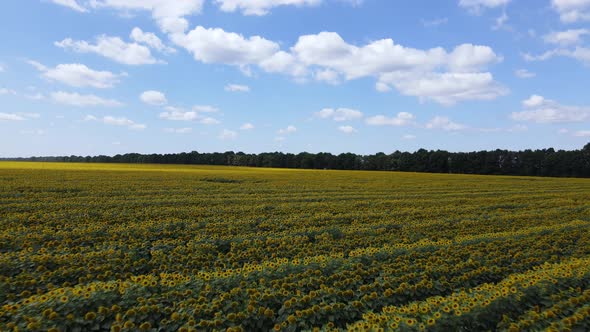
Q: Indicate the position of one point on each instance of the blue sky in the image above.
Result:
(91, 77)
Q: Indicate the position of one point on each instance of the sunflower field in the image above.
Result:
(115, 247)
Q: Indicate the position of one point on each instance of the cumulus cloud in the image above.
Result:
(5, 91)
(218, 46)
(10, 117)
(117, 121)
(401, 119)
(476, 6)
(237, 88)
(150, 39)
(581, 54)
(72, 4)
(209, 121)
(170, 15)
(444, 88)
(501, 22)
(541, 110)
(20, 116)
(567, 37)
(571, 11)
(327, 57)
(113, 48)
(152, 97)
(205, 109)
(523, 73)
(289, 130)
(78, 75)
(339, 114)
(444, 123)
(180, 114)
(178, 130)
(33, 132)
(327, 75)
(260, 7)
(247, 126)
(347, 129)
(79, 100)
(227, 134)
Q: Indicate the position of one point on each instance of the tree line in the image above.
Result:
(543, 162)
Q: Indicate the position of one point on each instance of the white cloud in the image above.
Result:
(178, 130)
(501, 22)
(523, 73)
(567, 37)
(152, 97)
(227, 134)
(286, 63)
(260, 7)
(329, 50)
(533, 101)
(150, 39)
(33, 132)
(36, 96)
(11, 117)
(347, 129)
(339, 114)
(113, 48)
(205, 109)
(18, 116)
(179, 114)
(401, 119)
(123, 122)
(78, 100)
(237, 88)
(30, 115)
(327, 57)
(209, 121)
(476, 6)
(170, 15)
(327, 75)
(470, 58)
(218, 46)
(581, 54)
(411, 71)
(444, 123)
(78, 75)
(247, 126)
(72, 4)
(434, 22)
(571, 11)
(409, 137)
(5, 91)
(289, 130)
(445, 88)
(1, 68)
(116, 121)
(541, 110)
(582, 133)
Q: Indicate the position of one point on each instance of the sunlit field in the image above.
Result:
(114, 247)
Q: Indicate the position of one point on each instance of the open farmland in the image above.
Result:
(165, 248)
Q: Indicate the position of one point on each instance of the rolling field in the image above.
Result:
(92, 247)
